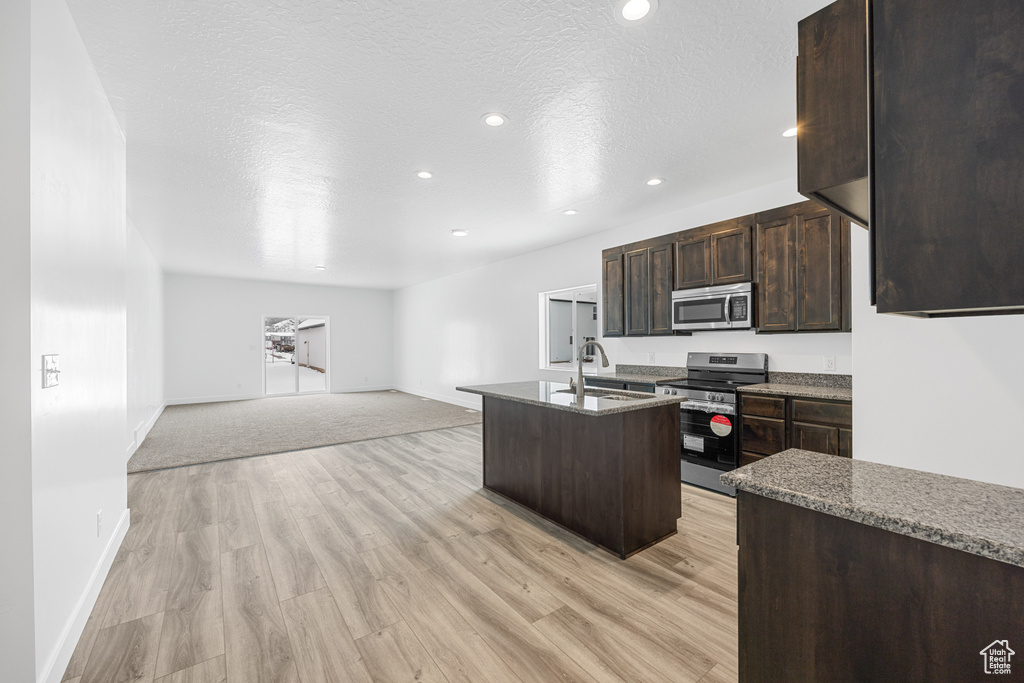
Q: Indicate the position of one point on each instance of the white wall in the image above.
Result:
(940, 395)
(78, 242)
(213, 335)
(483, 326)
(145, 339)
(17, 621)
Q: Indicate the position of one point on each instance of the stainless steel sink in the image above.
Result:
(604, 393)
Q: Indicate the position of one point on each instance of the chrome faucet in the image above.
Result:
(579, 376)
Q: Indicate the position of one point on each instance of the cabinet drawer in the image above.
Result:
(763, 435)
(765, 406)
(821, 412)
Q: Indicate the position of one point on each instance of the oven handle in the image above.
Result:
(728, 308)
(719, 408)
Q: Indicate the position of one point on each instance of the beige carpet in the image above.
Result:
(205, 432)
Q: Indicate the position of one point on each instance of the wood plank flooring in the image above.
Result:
(384, 560)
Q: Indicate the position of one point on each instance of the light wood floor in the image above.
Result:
(385, 561)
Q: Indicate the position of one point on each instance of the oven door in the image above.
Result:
(708, 434)
(713, 308)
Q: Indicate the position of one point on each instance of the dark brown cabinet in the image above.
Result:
(771, 424)
(637, 291)
(612, 293)
(717, 254)
(637, 281)
(660, 283)
(693, 259)
(803, 269)
(948, 166)
(832, 109)
(911, 118)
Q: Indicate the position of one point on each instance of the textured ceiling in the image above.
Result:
(267, 136)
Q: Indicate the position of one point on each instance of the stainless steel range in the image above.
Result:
(709, 424)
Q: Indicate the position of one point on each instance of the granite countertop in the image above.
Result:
(636, 378)
(975, 517)
(800, 391)
(549, 395)
(647, 374)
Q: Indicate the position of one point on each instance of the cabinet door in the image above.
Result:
(762, 435)
(612, 289)
(819, 295)
(948, 163)
(637, 293)
(832, 108)
(730, 256)
(776, 275)
(846, 443)
(661, 289)
(817, 438)
(693, 262)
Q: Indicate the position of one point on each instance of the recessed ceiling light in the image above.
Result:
(789, 133)
(634, 11)
(655, 181)
(494, 119)
(319, 267)
(570, 212)
(459, 233)
(424, 174)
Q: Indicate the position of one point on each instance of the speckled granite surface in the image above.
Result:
(811, 379)
(800, 391)
(666, 371)
(978, 518)
(555, 395)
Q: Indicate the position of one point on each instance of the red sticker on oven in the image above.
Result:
(720, 425)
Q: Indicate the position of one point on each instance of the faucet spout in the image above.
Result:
(579, 363)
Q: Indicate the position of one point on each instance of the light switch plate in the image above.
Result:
(650, 356)
(51, 371)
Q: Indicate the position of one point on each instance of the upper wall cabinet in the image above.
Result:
(832, 108)
(803, 269)
(612, 292)
(939, 109)
(647, 287)
(717, 254)
(948, 182)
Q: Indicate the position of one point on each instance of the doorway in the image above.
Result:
(296, 355)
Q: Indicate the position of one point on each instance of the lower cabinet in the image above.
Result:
(771, 424)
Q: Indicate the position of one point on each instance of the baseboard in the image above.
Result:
(210, 399)
(54, 669)
(143, 429)
(356, 390)
(470, 401)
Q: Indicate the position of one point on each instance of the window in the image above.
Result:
(569, 317)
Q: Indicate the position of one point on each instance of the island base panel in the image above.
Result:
(613, 479)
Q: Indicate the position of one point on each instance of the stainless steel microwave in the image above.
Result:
(726, 307)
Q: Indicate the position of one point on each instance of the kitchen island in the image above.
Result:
(606, 469)
(856, 571)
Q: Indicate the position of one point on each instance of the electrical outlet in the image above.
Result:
(99, 523)
(51, 370)
(650, 357)
(829, 363)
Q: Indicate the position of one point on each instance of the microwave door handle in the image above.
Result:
(728, 308)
